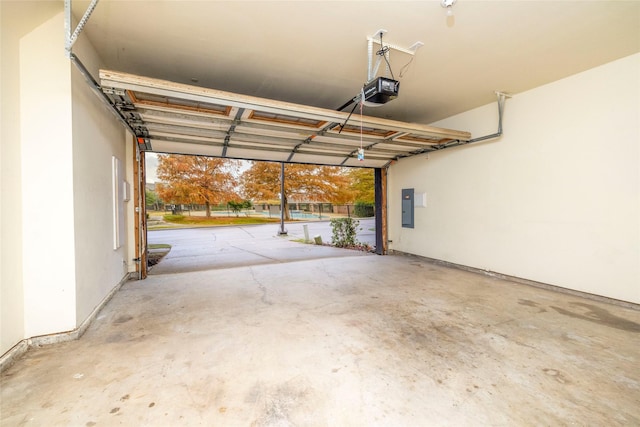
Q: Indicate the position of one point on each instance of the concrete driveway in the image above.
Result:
(199, 249)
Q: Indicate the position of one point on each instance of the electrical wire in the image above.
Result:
(405, 67)
(384, 50)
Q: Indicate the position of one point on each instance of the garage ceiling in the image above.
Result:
(314, 53)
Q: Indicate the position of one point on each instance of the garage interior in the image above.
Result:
(511, 298)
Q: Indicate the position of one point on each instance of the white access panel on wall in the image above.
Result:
(420, 200)
(118, 202)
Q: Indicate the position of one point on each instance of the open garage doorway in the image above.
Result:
(240, 221)
(170, 117)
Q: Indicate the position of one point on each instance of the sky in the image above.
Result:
(152, 165)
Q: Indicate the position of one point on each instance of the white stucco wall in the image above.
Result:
(48, 249)
(11, 293)
(57, 259)
(16, 20)
(97, 136)
(556, 199)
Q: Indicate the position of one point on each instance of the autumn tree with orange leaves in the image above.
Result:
(197, 179)
(311, 182)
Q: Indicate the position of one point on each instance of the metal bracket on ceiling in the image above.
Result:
(372, 70)
(70, 38)
(377, 38)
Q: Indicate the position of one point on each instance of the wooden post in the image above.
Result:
(140, 215)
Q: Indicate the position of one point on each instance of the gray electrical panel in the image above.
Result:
(407, 207)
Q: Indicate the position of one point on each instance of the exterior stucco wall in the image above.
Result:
(556, 199)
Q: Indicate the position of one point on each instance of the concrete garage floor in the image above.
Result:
(345, 341)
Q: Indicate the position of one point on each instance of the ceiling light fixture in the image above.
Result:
(448, 4)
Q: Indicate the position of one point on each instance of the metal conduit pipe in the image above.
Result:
(456, 143)
(501, 101)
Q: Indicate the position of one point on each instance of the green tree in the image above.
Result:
(311, 182)
(362, 184)
(151, 198)
(196, 179)
(236, 207)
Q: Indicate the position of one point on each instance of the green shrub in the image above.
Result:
(236, 207)
(363, 210)
(343, 232)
